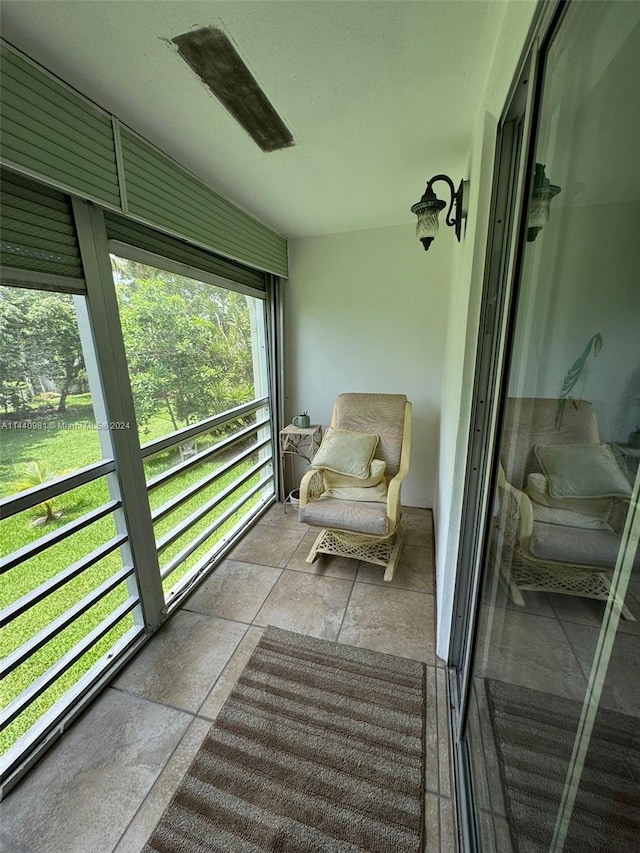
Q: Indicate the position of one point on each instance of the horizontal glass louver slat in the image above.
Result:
(58, 535)
(29, 648)
(38, 687)
(192, 491)
(204, 509)
(12, 611)
(192, 461)
(170, 567)
(189, 432)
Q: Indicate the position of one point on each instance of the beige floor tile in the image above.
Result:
(432, 823)
(589, 611)
(277, 516)
(307, 604)
(183, 660)
(487, 743)
(448, 835)
(266, 545)
(418, 526)
(503, 835)
(620, 690)
(443, 733)
(534, 602)
(530, 650)
(415, 570)
(323, 565)
(151, 810)
(395, 621)
(230, 674)
(432, 755)
(86, 790)
(234, 590)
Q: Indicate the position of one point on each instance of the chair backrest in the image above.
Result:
(381, 414)
(531, 420)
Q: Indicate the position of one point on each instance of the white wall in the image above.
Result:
(366, 311)
(462, 327)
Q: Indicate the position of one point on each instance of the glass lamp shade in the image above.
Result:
(543, 192)
(428, 225)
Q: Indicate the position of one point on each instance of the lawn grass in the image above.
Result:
(66, 449)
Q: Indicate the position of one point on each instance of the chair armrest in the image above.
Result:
(393, 501)
(516, 514)
(618, 515)
(311, 486)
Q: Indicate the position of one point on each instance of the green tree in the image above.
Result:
(39, 340)
(188, 344)
(14, 307)
(54, 342)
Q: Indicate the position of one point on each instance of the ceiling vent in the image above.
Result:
(217, 63)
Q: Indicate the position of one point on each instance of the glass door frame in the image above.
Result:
(512, 185)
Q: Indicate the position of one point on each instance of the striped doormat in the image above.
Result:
(318, 748)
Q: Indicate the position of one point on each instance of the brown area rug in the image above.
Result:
(318, 748)
(535, 733)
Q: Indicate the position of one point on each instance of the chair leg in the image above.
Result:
(313, 553)
(395, 556)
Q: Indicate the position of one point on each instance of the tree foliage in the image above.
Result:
(39, 344)
(188, 344)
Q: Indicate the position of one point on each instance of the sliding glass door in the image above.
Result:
(548, 704)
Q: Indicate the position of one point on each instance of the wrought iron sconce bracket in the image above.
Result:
(429, 206)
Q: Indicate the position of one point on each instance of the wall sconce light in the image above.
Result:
(541, 195)
(429, 206)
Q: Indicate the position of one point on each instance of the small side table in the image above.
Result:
(628, 459)
(295, 441)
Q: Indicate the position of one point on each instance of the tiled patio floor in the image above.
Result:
(104, 785)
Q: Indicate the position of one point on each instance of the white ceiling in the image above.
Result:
(378, 95)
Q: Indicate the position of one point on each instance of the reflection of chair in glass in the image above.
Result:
(364, 530)
(546, 544)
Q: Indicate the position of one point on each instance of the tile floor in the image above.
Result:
(104, 785)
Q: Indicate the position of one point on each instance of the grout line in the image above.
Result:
(353, 586)
(400, 588)
(133, 695)
(154, 783)
(219, 676)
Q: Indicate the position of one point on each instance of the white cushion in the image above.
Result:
(538, 490)
(340, 481)
(345, 451)
(581, 471)
(355, 493)
(567, 518)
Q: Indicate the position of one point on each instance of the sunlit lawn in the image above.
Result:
(65, 450)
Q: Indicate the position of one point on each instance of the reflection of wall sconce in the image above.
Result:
(541, 195)
(429, 206)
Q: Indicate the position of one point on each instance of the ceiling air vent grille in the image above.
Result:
(217, 63)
